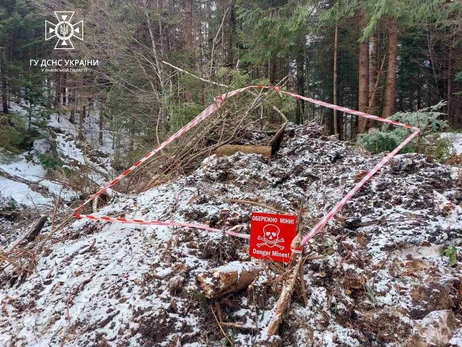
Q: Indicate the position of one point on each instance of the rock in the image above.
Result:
(175, 284)
(435, 329)
(384, 326)
(431, 297)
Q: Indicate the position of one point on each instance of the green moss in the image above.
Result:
(451, 253)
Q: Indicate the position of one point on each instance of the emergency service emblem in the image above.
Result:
(64, 30)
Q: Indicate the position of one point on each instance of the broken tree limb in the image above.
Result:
(221, 328)
(227, 279)
(37, 228)
(30, 234)
(231, 149)
(275, 142)
(288, 288)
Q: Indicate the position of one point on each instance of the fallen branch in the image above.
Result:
(302, 283)
(29, 235)
(231, 149)
(37, 228)
(275, 142)
(237, 326)
(283, 302)
(221, 328)
(284, 299)
(9, 214)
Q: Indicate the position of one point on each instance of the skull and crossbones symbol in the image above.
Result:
(270, 237)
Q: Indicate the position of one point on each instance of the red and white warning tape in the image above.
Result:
(218, 102)
(122, 220)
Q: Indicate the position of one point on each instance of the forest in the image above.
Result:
(145, 143)
(379, 57)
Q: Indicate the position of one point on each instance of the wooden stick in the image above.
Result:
(288, 288)
(221, 328)
(237, 326)
(302, 284)
(35, 230)
(284, 299)
(55, 210)
(275, 142)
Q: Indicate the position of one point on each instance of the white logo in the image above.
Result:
(64, 30)
(270, 237)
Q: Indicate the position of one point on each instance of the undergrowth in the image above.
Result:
(386, 138)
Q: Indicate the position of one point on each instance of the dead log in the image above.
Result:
(275, 142)
(227, 278)
(37, 228)
(231, 149)
(29, 235)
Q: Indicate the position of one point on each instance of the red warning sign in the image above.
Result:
(271, 236)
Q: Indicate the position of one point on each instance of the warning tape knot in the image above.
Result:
(219, 99)
(298, 250)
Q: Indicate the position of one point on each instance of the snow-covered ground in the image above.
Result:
(27, 168)
(374, 277)
(455, 139)
(22, 194)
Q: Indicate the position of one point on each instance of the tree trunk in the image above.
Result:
(300, 60)
(373, 74)
(81, 120)
(57, 91)
(100, 125)
(4, 83)
(73, 104)
(419, 92)
(49, 95)
(449, 77)
(232, 33)
(335, 78)
(188, 34)
(4, 92)
(363, 64)
(272, 70)
(390, 84)
(64, 88)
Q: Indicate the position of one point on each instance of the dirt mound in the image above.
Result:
(374, 276)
